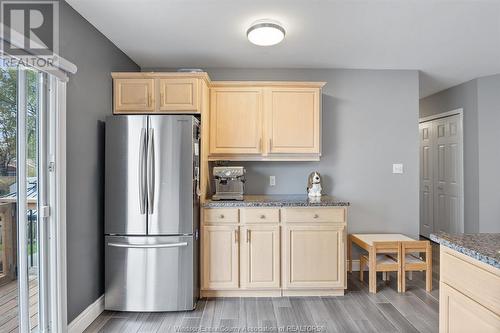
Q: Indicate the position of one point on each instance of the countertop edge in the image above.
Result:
(467, 251)
(242, 204)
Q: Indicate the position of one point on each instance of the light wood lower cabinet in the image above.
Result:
(458, 313)
(255, 252)
(220, 257)
(469, 294)
(313, 256)
(260, 256)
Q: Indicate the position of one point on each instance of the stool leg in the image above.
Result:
(372, 271)
(428, 280)
(361, 269)
(349, 253)
(428, 271)
(402, 283)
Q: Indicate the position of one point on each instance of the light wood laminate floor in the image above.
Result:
(356, 311)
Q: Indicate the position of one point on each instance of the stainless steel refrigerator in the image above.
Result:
(151, 213)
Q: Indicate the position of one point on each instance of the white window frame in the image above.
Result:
(57, 202)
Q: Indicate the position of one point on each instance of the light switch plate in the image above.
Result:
(397, 168)
(272, 180)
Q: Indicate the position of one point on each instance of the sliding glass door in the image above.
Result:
(23, 229)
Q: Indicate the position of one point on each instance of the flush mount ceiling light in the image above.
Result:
(266, 32)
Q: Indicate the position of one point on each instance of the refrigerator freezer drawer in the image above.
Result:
(150, 273)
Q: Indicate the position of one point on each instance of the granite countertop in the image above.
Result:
(482, 247)
(294, 200)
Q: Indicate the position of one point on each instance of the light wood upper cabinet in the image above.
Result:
(292, 120)
(313, 256)
(265, 121)
(132, 95)
(179, 94)
(236, 120)
(220, 257)
(157, 92)
(260, 256)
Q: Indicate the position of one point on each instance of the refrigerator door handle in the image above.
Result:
(151, 171)
(148, 246)
(142, 174)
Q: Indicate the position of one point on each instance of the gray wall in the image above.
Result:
(488, 105)
(480, 99)
(462, 96)
(370, 120)
(88, 102)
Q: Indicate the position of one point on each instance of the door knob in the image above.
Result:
(221, 216)
(263, 216)
(315, 216)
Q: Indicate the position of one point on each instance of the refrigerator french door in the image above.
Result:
(151, 213)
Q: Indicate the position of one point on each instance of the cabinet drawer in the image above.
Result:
(476, 280)
(258, 215)
(315, 214)
(221, 215)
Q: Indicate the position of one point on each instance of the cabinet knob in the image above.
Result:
(315, 216)
(263, 216)
(221, 216)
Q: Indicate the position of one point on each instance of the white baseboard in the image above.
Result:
(84, 319)
(355, 265)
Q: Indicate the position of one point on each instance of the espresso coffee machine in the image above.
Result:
(229, 182)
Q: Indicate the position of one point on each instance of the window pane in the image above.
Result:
(8, 199)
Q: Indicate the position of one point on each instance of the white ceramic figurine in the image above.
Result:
(314, 185)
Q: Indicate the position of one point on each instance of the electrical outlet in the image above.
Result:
(397, 168)
(272, 181)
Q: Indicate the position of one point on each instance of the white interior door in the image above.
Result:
(426, 179)
(448, 167)
(441, 175)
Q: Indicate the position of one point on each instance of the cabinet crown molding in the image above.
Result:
(159, 75)
(262, 84)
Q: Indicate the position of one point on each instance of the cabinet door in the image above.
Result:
(133, 95)
(313, 256)
(260, 256)
(220, 257)
(179, 94)
(236, 121)
(459, 313)
(292, 120)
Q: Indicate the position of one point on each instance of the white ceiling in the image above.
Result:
(450, 41)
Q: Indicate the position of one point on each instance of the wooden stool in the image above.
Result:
(381, 259)
(411, 261)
